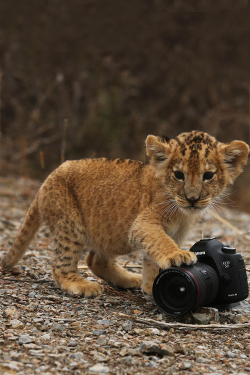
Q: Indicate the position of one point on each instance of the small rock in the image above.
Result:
(166, 350)
(78, 356)
(127, 359)
(58, 327)
(15, 323)
(13, 338)
(31, 345)
(154, 331)
(230, 354)
(203, 360)
(106, 322)
(186, 365)
(45, 337)
(205, 315)
(123, 352)
(181, 349)
(149, 347)
(102, 340)
(100, 357)
(12, 366)
(152, 364)
(32, 294)
(200, 318)
(98, 332)
(242, 318)
(74, 365)
(134, 352)
(113, 301)
(76, 325)
(99, 369)
(164, 360)
(23, 339)
(243, 306)
(127, 326)
(11, 313)
(243, 356)
(139, 331)
(72, 343)
(138, 312)
(199, 351)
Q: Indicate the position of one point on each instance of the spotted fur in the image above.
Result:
(117, 206)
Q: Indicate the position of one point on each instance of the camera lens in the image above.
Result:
(178, 290)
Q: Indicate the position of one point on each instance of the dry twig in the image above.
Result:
(183, 326)
(34, 281)
(229, 225)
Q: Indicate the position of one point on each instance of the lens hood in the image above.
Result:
(178, 290)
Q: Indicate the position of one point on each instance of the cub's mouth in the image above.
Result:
(190, 205)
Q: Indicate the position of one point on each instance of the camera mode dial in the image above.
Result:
(228, 250)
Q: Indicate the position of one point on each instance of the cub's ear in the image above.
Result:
(235, 155)
(157, 149)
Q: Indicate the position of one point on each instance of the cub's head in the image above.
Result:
(194, 167)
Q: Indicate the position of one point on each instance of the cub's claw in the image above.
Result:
(177, 258)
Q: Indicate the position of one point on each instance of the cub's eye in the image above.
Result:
(208, 176)
(179, 175)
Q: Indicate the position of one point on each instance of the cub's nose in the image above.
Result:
(192, 200)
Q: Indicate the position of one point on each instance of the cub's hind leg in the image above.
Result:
(65, 272)
(108, 270)
(59, 210)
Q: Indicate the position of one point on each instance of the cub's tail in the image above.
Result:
(27, 231)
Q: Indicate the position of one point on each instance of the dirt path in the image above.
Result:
(45, 331)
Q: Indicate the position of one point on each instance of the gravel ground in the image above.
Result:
(44, 330)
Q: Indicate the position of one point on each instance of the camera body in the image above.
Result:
(218, 279)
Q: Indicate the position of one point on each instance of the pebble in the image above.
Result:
(230, 354)
(78, 356)
(106, 322)
(46, 337)
(186, 365)
(102, 340)
(23, 339)
(98, 332)
(205, 315)
(12, 366)
(58, 327)
(32, 294)
(149, 347)
(72, 343)
(154, 331)
(11, 313)
(15, 323)
(127, 326)
(99, 369)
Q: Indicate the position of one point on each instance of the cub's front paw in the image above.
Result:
(147, 288)
(177, 258)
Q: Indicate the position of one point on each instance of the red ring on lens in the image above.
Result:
(198, 287)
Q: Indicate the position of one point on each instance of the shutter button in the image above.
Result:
(228, 250)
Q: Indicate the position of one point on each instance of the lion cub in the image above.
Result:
(118, 206)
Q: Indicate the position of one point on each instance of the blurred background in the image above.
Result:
(90, 78)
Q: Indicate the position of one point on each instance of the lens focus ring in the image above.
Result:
(178, 290)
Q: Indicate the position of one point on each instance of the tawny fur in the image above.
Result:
(119, 206)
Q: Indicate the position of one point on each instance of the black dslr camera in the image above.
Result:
(218, 280)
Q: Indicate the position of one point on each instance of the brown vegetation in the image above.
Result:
(117, 71)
